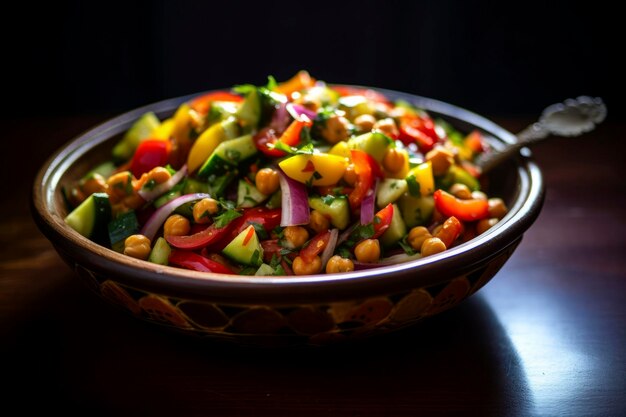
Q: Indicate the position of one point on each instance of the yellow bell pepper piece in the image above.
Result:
(317, 169)
(164, 131)
(206, 143)
(340, 149)
(423, 174)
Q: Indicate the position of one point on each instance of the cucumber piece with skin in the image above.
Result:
(337, 209)
(373, 143)
(250, 110)
(91, 218)
(245, 248)
(140, 130)
(227, 156)
(389, 190)
(396, 230)
(416, 211)
(126, 224)
(248, 195)
(160, 252)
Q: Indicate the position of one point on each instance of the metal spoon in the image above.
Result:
(573, 117)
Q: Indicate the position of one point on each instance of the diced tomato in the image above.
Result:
(195, 262)
(315, 246)
(464, 210)
(202, 104)
(268, 218)
(150, 153)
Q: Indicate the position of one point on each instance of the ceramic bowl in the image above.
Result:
(309, 310)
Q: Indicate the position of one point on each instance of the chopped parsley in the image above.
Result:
(226, 217)
(413, 185)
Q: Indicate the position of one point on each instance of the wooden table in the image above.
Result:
(545, 337)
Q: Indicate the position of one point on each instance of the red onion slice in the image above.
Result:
(164, 187)
(392, 260)
(367, 205)
(294, 202)
(330, 247)
(155, 221)
(297, 111)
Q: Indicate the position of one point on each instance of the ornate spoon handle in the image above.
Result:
(573, 117)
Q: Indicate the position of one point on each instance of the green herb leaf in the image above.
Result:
(328, 199)
(413, 185)
(406, 247)
(226, 217)
(279, 270)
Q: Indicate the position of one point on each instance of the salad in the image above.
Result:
(291, 178)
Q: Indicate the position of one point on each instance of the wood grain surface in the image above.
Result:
(545, 337)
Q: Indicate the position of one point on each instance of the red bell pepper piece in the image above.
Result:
(150, 153)
(384, 217)
(450, 231)
(202, 239)
(195, 262)
(419, 130)
(268, 218)
(315, 246)
(464, 210)
(202, 104)
(291, 137)
(474, 141)
(364, 181)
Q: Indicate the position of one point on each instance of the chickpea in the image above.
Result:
(432, 246)
(349, 175)
(133, 201)
(336, 129)
(485, 224)
(318, 221)
(176, 225)
(203, 209)
(441, 160)
(137, 246)
(300, 267)
(417, 236)
(394, 160)
(367, 251)
(364, 122)
(95, 184)
(479, 195)
(497, 208)
(461, 191)
(120, 185)
(338, 264)
(387, 126)
(267, 181)
(295, 236)
(159, 175)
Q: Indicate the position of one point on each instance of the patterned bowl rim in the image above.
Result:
(198, 285)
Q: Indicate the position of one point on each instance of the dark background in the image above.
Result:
(493, 57)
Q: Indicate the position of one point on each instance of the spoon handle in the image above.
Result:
(571, 118)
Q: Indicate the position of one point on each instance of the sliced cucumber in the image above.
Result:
(124, 225)
(228, 155)
(374, 143)
(337, 209)
(139, 131)
(248, 195)
(160, 252)
(389, 190)
(416, 211)
(245, 248)
(250, 110)
(265, 270)
(91, 217)
(396, 230)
